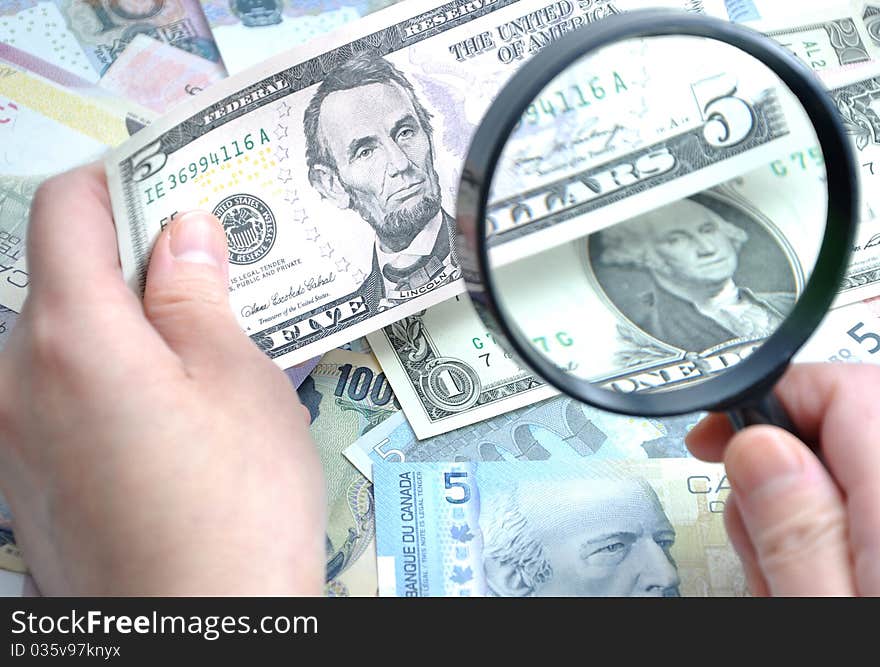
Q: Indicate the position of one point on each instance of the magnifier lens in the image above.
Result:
(655, 214)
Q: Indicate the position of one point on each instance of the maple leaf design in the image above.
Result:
(462, 533)
(461, 575)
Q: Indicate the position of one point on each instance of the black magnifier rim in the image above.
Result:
(755, 375)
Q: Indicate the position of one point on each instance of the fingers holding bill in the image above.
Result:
(793, 513)
(836, 405)
(709, 437)
(833, 407)
(742, 544)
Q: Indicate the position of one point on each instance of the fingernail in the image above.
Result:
(194, 239)
(771, 462)
(696, 433)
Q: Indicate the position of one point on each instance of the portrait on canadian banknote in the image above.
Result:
(696, 273)
(607, 537)
(370, 148)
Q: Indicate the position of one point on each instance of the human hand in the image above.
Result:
(149, 449)
(799, 528)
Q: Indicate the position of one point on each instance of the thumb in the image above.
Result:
(792, 511)
(186, 296)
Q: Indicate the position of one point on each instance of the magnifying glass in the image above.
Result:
(655, 214)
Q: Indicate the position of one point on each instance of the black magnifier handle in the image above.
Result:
(767, 409)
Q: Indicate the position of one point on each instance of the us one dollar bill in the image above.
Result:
(870, 13)
(563, 429)
(347, 395)
(854, 92)
(334, 167)
(840, 43)
(559, 429)
(445, 367)
(448, 371)
(586, 529)
(824, 36)
(620, 323)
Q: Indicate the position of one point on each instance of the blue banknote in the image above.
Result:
(558, 429)
(742, 10)
(588, 528)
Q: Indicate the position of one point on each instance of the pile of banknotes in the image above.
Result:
(450, 470)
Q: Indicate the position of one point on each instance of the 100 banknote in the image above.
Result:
(346, 396)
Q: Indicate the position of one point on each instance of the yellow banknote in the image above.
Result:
(347, 395)
(45, 129)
